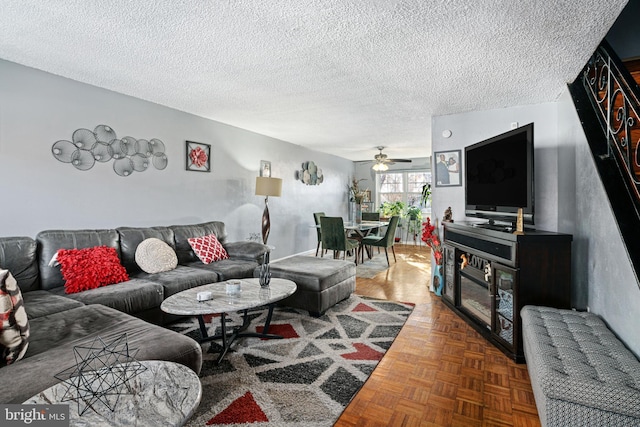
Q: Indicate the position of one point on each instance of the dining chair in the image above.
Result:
(372, 216)
(335, 239)
(316, 218)
(386, 241)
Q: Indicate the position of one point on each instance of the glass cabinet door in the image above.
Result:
(449, 273)
(504, 283)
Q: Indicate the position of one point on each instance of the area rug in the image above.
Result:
(371, 267)
(305, 379)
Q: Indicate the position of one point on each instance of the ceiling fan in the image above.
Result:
(382, 161)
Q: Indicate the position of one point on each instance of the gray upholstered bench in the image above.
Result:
(322, 282)
(581, 374)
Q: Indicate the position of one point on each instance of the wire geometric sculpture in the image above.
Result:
(101, 374)
(102, 145)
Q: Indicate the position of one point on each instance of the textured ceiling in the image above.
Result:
(336, 76)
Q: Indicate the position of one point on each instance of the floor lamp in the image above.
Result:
(267, 186)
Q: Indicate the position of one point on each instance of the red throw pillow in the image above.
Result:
(90, 268)
(208, 248)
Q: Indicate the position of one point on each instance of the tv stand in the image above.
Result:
(492, 225)
(490, 274)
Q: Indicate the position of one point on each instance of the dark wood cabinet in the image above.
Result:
(491, 273)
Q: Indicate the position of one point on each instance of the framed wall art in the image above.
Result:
(448, 168)
(198, 157)
(265, 168)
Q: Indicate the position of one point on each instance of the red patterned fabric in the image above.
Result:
(14, 325)
(208, 248)
(90, 268)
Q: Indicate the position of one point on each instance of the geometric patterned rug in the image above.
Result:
(303, 380)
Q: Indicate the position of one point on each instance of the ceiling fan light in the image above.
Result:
(378, 167)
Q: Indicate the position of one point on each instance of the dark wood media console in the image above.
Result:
(491, 273)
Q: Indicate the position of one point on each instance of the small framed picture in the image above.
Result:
(448, 168)
(198, 157)
(265, 168)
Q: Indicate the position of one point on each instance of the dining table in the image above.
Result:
(361, 230)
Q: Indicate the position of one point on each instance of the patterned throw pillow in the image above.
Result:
(90, 268)
(14, 329)
(155, 256)
(208, 248)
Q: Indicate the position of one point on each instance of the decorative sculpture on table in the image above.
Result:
(101, 373)
(265, 273)
(448, 215)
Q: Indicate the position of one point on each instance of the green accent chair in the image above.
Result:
(335, 239)
(372, 216)
(386, 241)
(316, 218)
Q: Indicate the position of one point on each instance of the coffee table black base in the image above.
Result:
(237, 332)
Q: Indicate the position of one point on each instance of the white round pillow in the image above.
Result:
(155, 256)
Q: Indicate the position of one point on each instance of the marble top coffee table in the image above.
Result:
(165, 394)
(185, 303)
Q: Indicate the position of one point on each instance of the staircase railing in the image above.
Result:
(614, 98)
(607, 101)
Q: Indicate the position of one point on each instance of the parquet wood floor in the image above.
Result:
(439, 371)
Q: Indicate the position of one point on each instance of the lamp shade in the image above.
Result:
(267, 186)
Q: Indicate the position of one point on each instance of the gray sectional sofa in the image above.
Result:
(60, 321)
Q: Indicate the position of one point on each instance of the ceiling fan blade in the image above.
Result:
(400, 160)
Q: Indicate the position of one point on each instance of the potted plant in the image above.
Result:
(414, 223)
(414, 213)
(356, 196)
(425, 198)
(389, 209)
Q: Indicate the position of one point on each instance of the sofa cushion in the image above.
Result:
(229, 268)
(90, 268)
(18, 255)
(131, 297)
(184, 232)
(252, 251)
(43, 303)
(208, 248)
(181, 278)
(131, 237)
(14, 327)
(155, 256)
(53, 338)
(50, 241)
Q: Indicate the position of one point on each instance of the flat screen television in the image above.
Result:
(500, 177)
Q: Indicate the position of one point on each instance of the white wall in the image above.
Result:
(39, 192)
(469, 128)
(603, 274)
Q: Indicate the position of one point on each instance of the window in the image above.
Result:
(402, 186)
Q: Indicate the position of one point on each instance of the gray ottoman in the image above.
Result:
(322, 282)
(581, 374)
